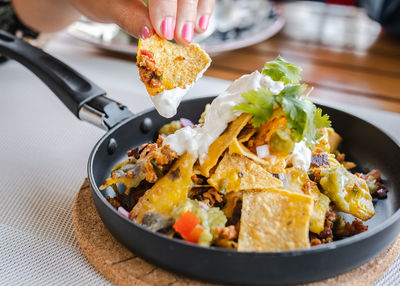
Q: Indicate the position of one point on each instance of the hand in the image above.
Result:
(180, 18)
(177, 19)
(169, 18)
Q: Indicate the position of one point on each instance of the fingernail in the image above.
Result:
(168, 27)
(187, 32)
(146, 33)
(203, 22)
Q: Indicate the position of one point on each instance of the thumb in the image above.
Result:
(133, 17)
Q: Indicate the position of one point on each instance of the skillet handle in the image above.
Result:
(82, 97)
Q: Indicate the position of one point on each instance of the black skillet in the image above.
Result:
(367, 145)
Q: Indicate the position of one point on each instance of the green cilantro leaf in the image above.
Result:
(260, 103)
(321, 121)
(281, 70)
(297, 113)
(293, 91)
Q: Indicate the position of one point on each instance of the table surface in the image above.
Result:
(44, 150)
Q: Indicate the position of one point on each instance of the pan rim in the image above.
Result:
(289, 253)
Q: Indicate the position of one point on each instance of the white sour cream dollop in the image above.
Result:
(167, 102)
(301, 156)
(198, 139)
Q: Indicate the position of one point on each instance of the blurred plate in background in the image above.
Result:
(234, 24)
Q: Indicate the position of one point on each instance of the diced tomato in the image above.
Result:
(186, 224)
(195, 234)
(146, 53)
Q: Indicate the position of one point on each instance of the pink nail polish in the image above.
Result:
(146, 33)
(187, 32)
(203, 22)
(168, 27)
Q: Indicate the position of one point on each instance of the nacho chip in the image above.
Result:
(274, 220)
(273, 164)
(349, 192)
(222, 142)
(246, 133)
(129, 173)
(167, 191)
(165, 65)
(297, 181)
(236, 173)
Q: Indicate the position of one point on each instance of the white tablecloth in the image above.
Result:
(43, 156)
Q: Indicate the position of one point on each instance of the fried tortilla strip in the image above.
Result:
(168, 191)
(274, 220)
(237, 172)
(297, 181)
(165, 65)
(222, 142)
(246, 133)
(273, 164)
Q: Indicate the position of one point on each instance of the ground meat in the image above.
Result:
(346, 229)
(376, 188)
(134, 153)
(226, 237)
(226, 232)
(207, 195)
(198, 179)
(157, 161)
(114, 202)
(315, 242)
(212, 197)
(197, 193)
(308, 186)
(326, 235)
(316, 174)
(150, 73)
(340, 157)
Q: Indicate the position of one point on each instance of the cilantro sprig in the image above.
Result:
(260, 103)
(281, 70)
(303, 117)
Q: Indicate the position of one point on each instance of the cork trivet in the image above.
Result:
(122, 267)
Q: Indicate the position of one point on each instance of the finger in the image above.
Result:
(163, 15)
(204, 11)
(133, 17)
(186, 19)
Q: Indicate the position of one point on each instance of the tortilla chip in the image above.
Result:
(222, 142)
(349, 192)
(179, 65)
(168, 191)
(119, 174)
(274, 220)
(237, 173)
(246, 133)
(273, 164)
(297, 181)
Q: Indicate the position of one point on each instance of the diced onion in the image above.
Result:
(124, 212)
(204, 206)
(262, 151)
(186, 122)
